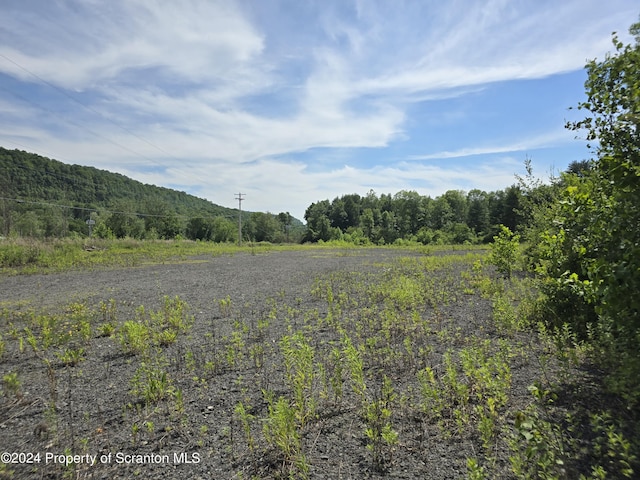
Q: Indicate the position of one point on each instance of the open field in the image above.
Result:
(307, 363)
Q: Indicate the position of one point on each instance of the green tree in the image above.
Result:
(285, 220)
(442, 215)
(504, 251)
(408, 212)
(478, 212)
(353, 208)
(368, 223)
(318, 223)
(264, 227)
(388, 230)
(612, 219)
(511, 208)
(590, 251)
(457, 200)
(27, 224)
(199, 228)
(338, 215)
(224, 230)
(123, 222)
(161, 219)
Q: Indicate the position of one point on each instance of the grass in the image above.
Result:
(28, 256)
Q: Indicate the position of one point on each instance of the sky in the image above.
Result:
(295, 101)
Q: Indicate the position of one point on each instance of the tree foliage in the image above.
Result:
(588, 251)
(41, 197)
(453, 217)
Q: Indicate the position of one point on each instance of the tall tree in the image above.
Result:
(478, 212)
(318, 224)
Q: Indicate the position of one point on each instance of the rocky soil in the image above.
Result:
(241, 307)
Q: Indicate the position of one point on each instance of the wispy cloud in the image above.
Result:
(223, 89)
(84, 45)
(555, 138)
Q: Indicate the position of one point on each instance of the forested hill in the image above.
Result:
(27, 176)
(42, 197)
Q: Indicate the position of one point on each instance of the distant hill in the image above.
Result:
(44, 197)
(28, 176)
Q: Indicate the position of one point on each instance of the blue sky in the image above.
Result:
(295, 101)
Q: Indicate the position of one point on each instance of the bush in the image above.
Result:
(18, 253)
(588, 250)
(504, 251)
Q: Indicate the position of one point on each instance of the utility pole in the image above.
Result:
(240, 197)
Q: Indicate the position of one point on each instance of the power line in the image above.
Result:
(87, 107)
(71, 122)
(239, 197)
(88, 209)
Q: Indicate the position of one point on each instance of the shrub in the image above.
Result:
(504, 251)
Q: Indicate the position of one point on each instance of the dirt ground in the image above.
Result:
(198, 433)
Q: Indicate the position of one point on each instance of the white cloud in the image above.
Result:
(83, 45)
(187, 88)
(554, 138)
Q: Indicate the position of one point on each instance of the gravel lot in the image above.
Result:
(98, 417)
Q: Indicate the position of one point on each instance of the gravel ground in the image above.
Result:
(97, 416)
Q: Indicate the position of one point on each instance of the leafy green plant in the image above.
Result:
(174, 314)
(505, 315)
(353, 359)
(433, 401)
(612, 448)
(337, 375)
(71, 356)
(151, 382)
(134, 337)
(536, 443)
(504, 251)
(381, 436)
(246, 419)
(166, 337)
(475, 470)
(225, 305)
(107, 329)
(11, 384)
(299, 364)
(178, 400)
(108, 310)
(281, 431)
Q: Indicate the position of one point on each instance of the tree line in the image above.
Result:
(454, 217)
(41, 197)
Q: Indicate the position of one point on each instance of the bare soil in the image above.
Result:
(96, 413)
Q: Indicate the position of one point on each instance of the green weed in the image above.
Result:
(71, 356)
(381, 436)
(11, 385)
(134, 337)
(299, 364)
(246, 420)
(151, 381)
(281, 431)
